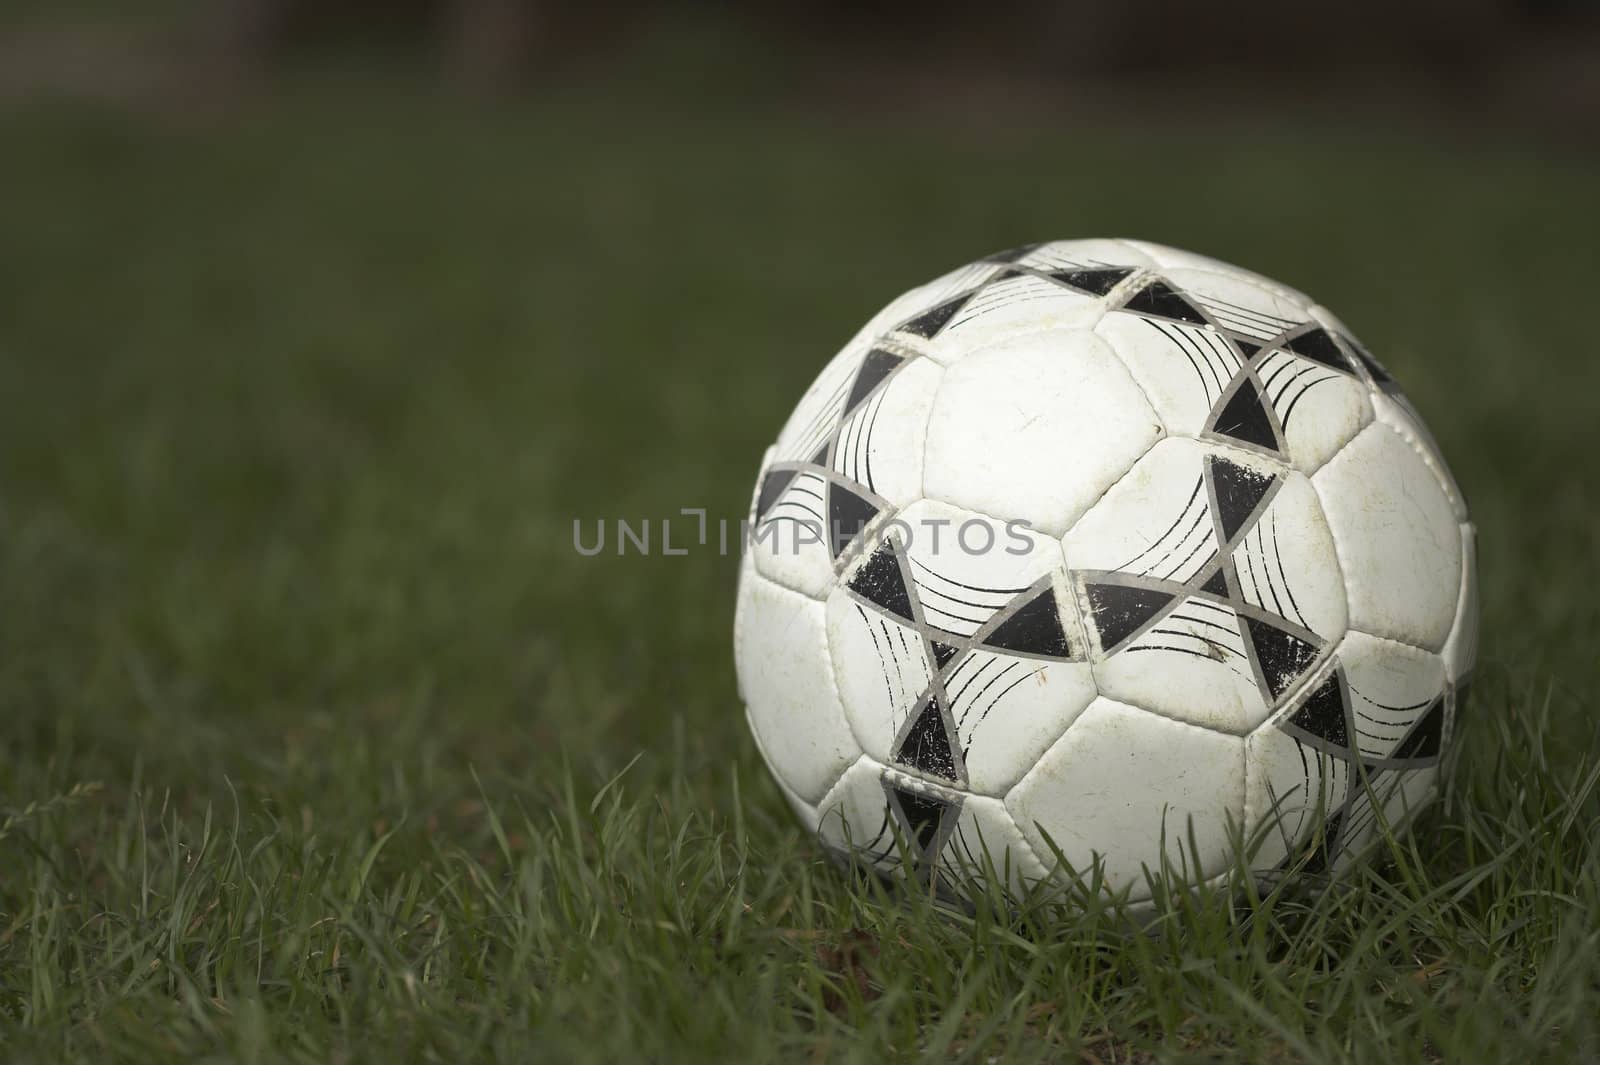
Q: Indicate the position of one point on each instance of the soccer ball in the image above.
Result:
(1095, 561)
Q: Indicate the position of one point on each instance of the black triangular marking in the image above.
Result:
(1247, 348)
(848, 514)
(1319, 346)
(772, 486)
(821, 457)
(1284, 657)
(923, 816)
(1099, 282)
(1011, 255)
(879, 581)
(1034, 629)
(943, 653)
(1428, 736)
(1164, 301)
(874, 368)
(1217, 584)
(929, 322)
(1322, 714)
(1006, 275)
(1120, 610)
(1323, 854)
(927, 745)
(1239, 492)
(1244, 417)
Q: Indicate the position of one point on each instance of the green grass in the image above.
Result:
(319, 743)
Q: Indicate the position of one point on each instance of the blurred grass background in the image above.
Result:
(308, 365)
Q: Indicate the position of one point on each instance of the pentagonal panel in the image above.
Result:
(781, 653)
(1009, 435)
(1122, 783)
(1208, 583)
(1461, 646)
(897, 822)
(955, 657)
(852, 452)
(1397, 538)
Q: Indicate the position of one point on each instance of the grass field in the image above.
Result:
(318, 742)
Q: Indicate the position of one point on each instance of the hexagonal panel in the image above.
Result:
(781, 654)
(1392, 687)
(884, 818)
(816, 415)
(1239, 302)
(804, 812)
(1252, 371)
(1122, 783)
(1395, 411)
(1013, 301)
(852, 452)
(1397, 538)
(1321, 408)
(986, 838)
(1088, 253)
(788, 542)
(1183, 369)
(1154, 521)
(880, 440)
(915, 302)
(884, 671)
(1372, 371)
(1208, 582)
(767, 458)
(955, 656)
(1391, 800)
(856, 820)
(1292, 789)
(966, 565)
(1008, 709)
(1012, 436)
(1373, 719)
(1303, 799)
(1052, 285)
(1174, 260)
